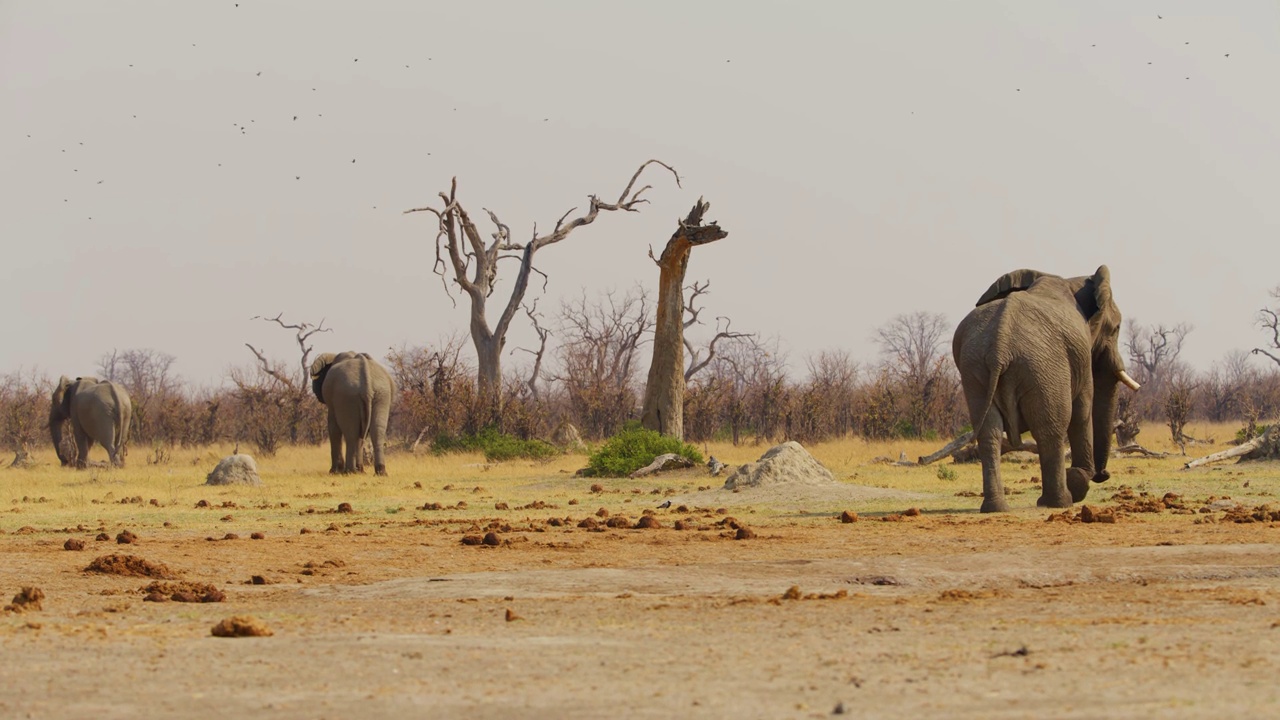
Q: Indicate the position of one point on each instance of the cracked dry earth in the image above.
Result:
(937, 615)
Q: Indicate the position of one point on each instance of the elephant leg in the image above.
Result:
(83, 444)
(350, 432)
(378, 434)
(335, 445)
(1080, 435)
(989, 435)
(1053, 475)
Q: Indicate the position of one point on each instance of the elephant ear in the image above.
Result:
(1094, 295)
(60, 407)
(319, 369)
(1009, 283)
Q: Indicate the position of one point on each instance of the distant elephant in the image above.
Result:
(358, 392)
(1041, 353)
(98, 410)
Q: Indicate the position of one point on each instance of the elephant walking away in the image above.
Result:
(358, 392)
(99, 411)
(1041, 353)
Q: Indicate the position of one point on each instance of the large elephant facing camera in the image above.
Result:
(358, 392)
(1041, 353)
(99, 411)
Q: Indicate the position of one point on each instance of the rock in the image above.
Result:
(126, 537)
(785, 463)
(714, 465)
(236, 469)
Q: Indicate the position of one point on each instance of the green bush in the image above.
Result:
(1243, 436)
(495, 445)
(633, 448)
(946, 473)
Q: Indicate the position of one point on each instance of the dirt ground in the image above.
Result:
(1170, 609)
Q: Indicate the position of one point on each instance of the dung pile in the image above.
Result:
(238, 469)
(785, 463)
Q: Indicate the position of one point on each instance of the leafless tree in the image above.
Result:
(1223, 386)
(600, 342)
(663, 408)
(914, 348)
(279, 394)
(474, 266)
(544, 334)
(24, 408)
(700, 356)
(1179, 393)
(1152, 350)
(437, 391)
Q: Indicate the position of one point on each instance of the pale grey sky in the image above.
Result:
(867, 159)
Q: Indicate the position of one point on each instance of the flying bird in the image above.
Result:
(295, 117)
(259, 73)
(297, 177)
(1159, 17)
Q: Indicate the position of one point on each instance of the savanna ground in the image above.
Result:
(383, 611)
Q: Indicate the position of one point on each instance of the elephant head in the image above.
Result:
(1092, 296)
(320, 368)
(60, 412)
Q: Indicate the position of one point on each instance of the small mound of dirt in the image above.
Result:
(602, 513)
(648, 522)
(129, 566)
(241, 626)
(183, 591)
(745, 533)
(257, 536)
(792, 593)
(345, 507)
(681, 525)
(73, 544)
(102, 537)
(231, 536)
(501, 506)
(27, 600)
(1086, 514)
(618, 521)
(491, 539)
(848, 516)
(126, 537)
(472, 540)
(589, 524)
(785, 463)
(235, 470)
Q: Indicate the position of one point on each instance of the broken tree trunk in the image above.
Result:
(1263, 445)
(663, 408)
(964, 449)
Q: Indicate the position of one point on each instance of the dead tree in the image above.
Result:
(663, 408)
(543, 335)
(697, 359)
(1269, 320)
(296, 388)
(458, 238)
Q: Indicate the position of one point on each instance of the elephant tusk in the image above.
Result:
(1128, 381)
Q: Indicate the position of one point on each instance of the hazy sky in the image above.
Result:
(868, 159)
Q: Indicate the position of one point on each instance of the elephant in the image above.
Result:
(1040, 352)
(358, 392)
(98, 410)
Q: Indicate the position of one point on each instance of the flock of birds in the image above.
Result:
(243, 128)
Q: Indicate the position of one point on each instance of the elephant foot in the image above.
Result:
(380, 470)
(337, 471)
(1054, 500)
(1102, 476)
(1078, 483)
(990, 505)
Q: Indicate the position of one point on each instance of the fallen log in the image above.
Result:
(666, 461)
(947, 449)
(1243, 449)
(1136, 449)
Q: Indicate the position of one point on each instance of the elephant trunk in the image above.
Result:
(55, 433)
(1105, 390)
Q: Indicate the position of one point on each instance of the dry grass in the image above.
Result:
(297, 490)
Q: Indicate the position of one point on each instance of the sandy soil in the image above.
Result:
(941, 614)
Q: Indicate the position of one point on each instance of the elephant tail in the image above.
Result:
(366, 399)
(993, 383)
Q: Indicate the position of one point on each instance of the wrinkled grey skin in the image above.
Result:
(358, 392)
(99, 411)
(1041, 353)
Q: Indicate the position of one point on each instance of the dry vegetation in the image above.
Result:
(460, 584)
